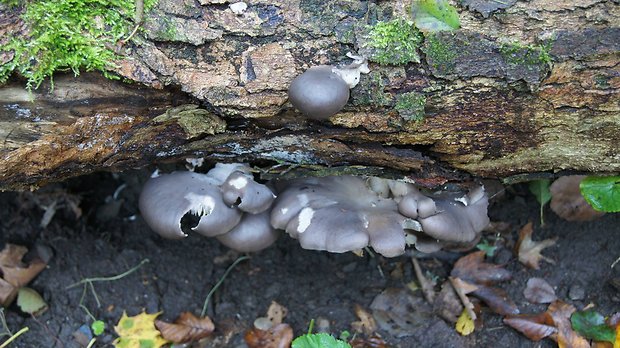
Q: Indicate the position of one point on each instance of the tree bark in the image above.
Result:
(522, 87)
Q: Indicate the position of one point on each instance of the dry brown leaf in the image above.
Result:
(472, 268)
(538, 290)
(14, 272)
(529, 252)
(568, 202)
(276, 313)
(560, 313)
(533, 327)
(279, 336)
(425, 284)
(366, 324)
(447, 304)
(462, 288)
(370, 342)
(186, 328)
(399, 312)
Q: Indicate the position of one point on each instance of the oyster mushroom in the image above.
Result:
(339, 214)
(225, 203)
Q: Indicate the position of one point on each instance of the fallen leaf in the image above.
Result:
(472, 269)
(591, 324)
(560, 313)
(370, 342)
(399, 312)
(540, 189)
(447, 303)
(568, 202)
(29, 301)
(465, 324)
(533, 327)
(276, 313)
(538, 290)
(529, 251)
(14, 270)
(186, 328)
(462, 288)
(279, 336)
(366, 324)
(138, 331)
(8, 292)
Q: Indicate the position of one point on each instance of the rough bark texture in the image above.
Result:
(522, 87)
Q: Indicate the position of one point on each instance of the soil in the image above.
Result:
(110, 238)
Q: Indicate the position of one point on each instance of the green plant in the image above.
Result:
(434, 15)
(540, 189)
(602, 193)
(394, 42)
(69, 35)
(518, 53)
(319, 340)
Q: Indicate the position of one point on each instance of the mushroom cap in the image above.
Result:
(339, 214)
(242, 191)
(319, 92)
(568, 202)
(166, 199)
(448, 217)
(253, 233)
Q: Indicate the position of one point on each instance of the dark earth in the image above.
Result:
(105, 241)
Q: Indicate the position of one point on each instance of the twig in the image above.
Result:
(425, 284)
(108, 279)
(5, 327)
(12, 338)
(219, 282)
(91, 343)
(615, 262)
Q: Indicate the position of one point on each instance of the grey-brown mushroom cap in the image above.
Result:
(165, 199)
(253, 233)
(319, 92)
(339, 214)
(242, 191)
(456, 221)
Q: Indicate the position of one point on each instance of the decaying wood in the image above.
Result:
(485, 113)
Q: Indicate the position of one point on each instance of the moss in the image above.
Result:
(394, 42)
(440, 55)
(69, 35)
(194, 121)
(410, 106)
(518, 53)
(371, 91)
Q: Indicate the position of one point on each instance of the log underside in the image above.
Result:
(486, 114)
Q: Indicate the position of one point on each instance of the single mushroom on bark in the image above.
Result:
(225, 203)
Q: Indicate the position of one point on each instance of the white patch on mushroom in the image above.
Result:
(239, 182)
(303, 199)
(283, 211)
(238, 7)
(201, 205)
(351, 73)
(305, 218)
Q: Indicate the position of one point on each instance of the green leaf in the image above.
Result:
(434, 15)
(602, 193)
(98, 327)
(540, 189)
(591, 325)
(488, 249)
(319, 340)
(29, 301)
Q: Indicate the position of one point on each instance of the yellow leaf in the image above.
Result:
(138, 332)
(617, 343)
(465, 325)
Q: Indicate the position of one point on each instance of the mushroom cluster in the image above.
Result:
(347, 213)
(225, 203)
(334, 213)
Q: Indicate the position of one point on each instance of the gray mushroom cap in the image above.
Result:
(339, 214)
(242, 191)
(253, 233)
(319, 92)
(166, 199)
(449, 218)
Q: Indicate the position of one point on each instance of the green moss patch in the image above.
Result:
(393, 43)
(410, 106)
(69, 35)
(517, 53)
(440, 54)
